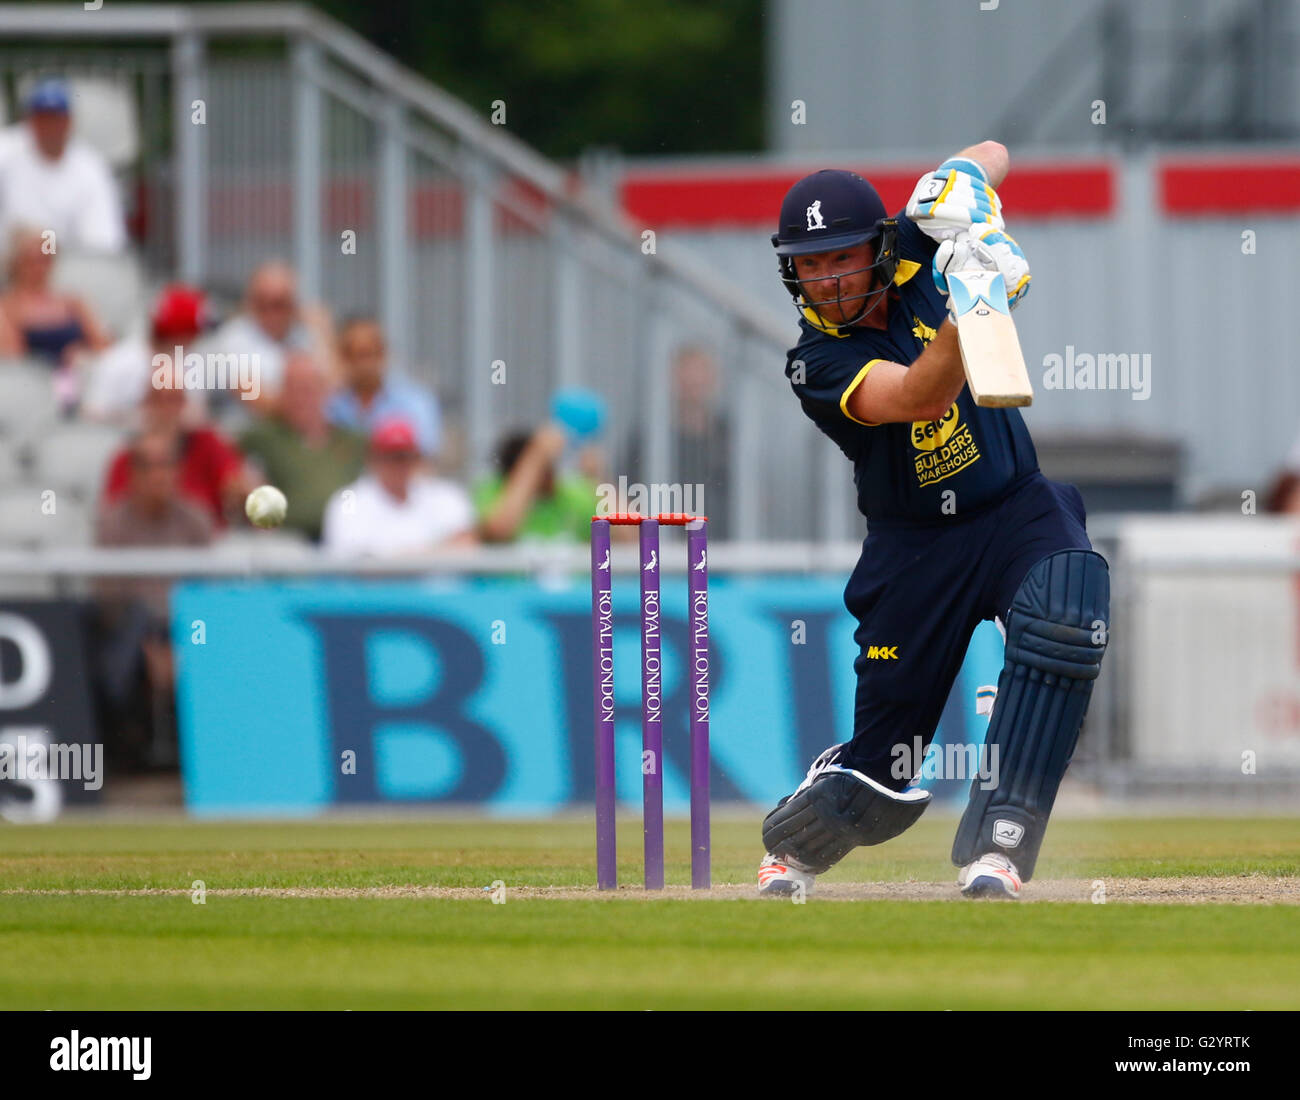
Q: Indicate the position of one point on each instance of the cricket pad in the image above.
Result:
(841, 810)
(1053, 655)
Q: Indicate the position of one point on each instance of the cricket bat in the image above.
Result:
(990, 349)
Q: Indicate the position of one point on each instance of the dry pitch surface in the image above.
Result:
(1245, 889)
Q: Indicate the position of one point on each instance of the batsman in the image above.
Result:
(962, 527)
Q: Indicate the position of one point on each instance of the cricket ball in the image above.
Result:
(266, 506)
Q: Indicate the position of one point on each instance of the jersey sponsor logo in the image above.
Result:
(946, 447)
(882, 653)
(927, 435)
(814, 213)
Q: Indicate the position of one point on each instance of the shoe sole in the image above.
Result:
(986, 886)
(781, 889)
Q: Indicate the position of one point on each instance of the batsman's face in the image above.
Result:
(843, 274)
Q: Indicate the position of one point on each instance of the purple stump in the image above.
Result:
(602, 669)
(652, 730)
(697, 622)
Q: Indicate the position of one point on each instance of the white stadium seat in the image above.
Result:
(74, 457)
(24, 523)
(27, 401)
(12, 464)
(113, 286)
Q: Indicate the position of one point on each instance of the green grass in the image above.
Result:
(163, 951)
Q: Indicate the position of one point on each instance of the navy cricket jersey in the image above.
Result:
(902, 470)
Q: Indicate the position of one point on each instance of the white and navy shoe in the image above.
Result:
(990, 876)
(779, 877)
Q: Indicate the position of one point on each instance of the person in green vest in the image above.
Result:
(299, 451)
(528, 498)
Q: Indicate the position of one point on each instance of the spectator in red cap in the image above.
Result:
(118, 379)
(210, 469)
(394, 509)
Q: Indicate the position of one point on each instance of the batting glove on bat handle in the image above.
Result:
(953, 198)
(988, 249)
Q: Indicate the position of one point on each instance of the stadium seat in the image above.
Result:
(24, 525)
(27, 401)
(74, 458)
(13, 464)
(113, 286)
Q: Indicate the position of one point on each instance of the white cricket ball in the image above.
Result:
(266, 506)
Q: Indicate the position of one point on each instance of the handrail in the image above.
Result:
(281, 560)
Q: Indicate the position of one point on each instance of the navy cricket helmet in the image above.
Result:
(834, 209)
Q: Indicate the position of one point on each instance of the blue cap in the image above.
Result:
(580, 411)
(50, 94)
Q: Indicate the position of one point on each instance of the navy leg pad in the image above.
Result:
(1056, 634)
(841, 810)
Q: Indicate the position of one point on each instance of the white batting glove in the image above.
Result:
(983, 248)
(954, 197)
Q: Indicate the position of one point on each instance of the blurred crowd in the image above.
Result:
(157, 427)
(198, 409)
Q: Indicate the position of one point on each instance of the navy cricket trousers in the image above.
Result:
(919, 591)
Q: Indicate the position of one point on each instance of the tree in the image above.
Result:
(644, 76)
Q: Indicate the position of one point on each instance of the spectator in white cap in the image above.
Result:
(393, 509)
(55, 182)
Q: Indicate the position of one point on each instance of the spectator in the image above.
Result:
(38, 321)
(136, 670)
(526, 498)
(273, 323)
(211, 469)
(302, 453)
(117, 380)
(53, 181)
(372, 393)
(699, 445)
(394, 509)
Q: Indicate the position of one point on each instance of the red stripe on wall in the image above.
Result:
(716, 200)
(1207, 188)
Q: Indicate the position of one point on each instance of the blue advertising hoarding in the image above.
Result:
(298, 696)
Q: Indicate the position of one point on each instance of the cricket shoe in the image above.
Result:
(779, 877)
(990, 876)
